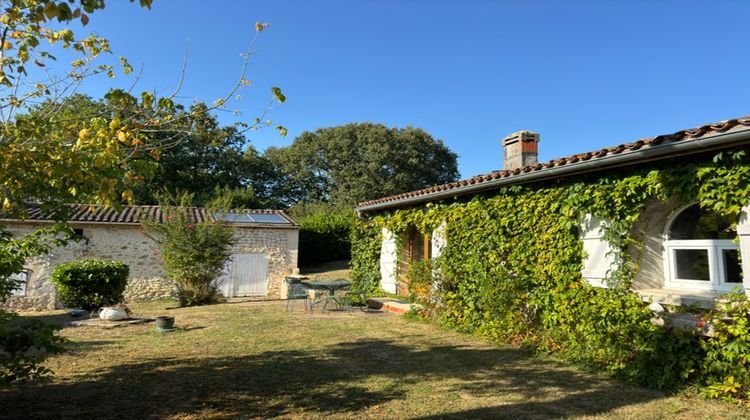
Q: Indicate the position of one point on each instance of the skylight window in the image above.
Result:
(250, 218)
(268, 218)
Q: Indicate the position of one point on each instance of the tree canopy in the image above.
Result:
(360, 161)
(52, 155)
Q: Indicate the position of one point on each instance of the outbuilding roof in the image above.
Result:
(689, 141)
(87, 213)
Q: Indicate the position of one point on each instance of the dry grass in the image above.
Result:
(256, 360)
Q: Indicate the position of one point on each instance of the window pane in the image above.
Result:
(696, 223)
(21, 289)
(692, 264)
(268, 218)
(732, 268)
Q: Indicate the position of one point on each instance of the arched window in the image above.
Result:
(701, 252)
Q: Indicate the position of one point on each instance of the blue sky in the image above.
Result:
(585, 74)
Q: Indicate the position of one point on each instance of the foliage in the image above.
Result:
(365, 263)
(194, 253)
(420, 284)
(53, 156)
(207, 160)
(41, 163)
(209, 157)
(356, 162)
(90, 283)
(25, 345)
(511, 271)
(727, 362)
(324, 232)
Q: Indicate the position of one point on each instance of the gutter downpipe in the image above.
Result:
(643, 155)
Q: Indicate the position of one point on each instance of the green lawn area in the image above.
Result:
(256, 360)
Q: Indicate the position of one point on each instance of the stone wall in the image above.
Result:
(649, 230)
(127, 243)
(121, 242)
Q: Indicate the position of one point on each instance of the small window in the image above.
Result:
(694, 223)
(692, 264)
(732, 267)
(23, 277)
(701, 251)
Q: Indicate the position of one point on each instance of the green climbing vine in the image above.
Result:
(511, 271)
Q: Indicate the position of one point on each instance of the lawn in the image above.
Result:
(256, 360)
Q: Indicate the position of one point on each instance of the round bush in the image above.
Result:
(91, 283)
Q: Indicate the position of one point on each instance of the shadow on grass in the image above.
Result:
(341, 380)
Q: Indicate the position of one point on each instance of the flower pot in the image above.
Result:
(164, 323)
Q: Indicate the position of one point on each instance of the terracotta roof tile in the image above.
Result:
(692, 133)
(85, 213)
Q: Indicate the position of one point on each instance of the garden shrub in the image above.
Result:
(511, 271)
(90, 283)
(25, 344)
(194, 254)
(727, 373)
(324, 237)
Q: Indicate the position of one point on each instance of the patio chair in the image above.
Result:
(296, 291)
(352, 296)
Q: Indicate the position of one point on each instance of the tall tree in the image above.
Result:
(53, 158)
(208, 160)
(356, 162)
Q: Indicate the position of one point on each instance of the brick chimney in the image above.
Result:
(521, 149)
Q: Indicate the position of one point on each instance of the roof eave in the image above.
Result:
(643, 155)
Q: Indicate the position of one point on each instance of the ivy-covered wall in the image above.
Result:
(511, 271)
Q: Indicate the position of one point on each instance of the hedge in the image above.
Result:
(91, 283)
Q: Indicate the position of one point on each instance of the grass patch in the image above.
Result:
(256, 360)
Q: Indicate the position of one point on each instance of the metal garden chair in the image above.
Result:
(296, 291)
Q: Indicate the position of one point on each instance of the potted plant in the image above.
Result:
(164, 323)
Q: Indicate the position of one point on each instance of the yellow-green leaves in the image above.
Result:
(511, 271)
(278, 95)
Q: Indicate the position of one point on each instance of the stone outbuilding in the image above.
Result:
(265, 251)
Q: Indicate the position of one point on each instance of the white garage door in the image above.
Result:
(247, 276)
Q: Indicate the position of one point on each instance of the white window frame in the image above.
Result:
(716, 269)
(713, 247)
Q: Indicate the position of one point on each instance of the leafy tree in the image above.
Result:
(194, 253)
(49, 167)
(208, 157)
(208, 160)
(53, 158)
(356, 162)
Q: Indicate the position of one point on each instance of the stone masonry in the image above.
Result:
(127, 243)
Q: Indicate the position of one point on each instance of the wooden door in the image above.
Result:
(247, 276)
(416, 247)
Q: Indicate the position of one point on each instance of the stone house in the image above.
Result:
(688, 255)
(265, 252)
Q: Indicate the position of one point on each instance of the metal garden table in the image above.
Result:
(330, 286)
